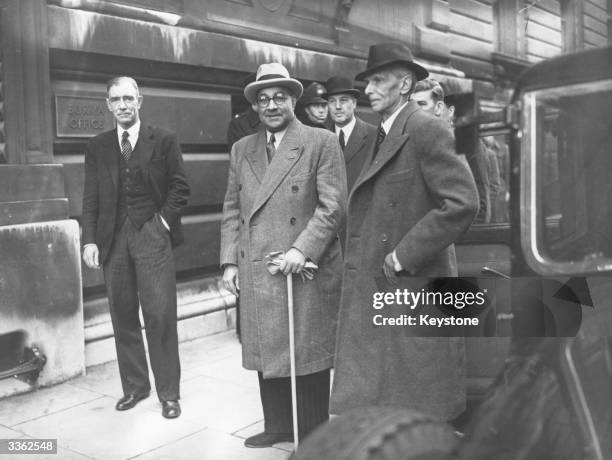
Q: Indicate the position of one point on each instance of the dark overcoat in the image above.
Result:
(356, 149)
(299, 201)
(161, 162)
(416, 197)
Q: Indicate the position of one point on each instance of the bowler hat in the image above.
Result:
(386, 54)
(272, 74)
(340, 85)
(313, 94)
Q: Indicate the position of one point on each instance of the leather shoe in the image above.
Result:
(171, 409)
(267, 439)
(130, 400)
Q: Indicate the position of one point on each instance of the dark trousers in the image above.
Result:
(140, 270)
(312, 402)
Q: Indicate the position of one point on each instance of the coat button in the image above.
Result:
(292, 221)
(294, 188)
(384, 237)
(242, 253)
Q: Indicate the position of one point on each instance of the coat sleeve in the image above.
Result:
(451, 184)
(330, 210)
(89, 216)
(230, 222)
(178, 188)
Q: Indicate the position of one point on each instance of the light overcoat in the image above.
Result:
(299, 201)
(416, 197)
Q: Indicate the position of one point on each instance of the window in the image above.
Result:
(566, 185)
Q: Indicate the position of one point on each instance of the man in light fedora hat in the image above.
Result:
(412, 200)
(354, 134)
(286, 192)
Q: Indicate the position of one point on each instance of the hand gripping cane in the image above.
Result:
(273, 261)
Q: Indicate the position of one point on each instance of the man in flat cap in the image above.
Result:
(286, 192)
(414, 197)
(354, 134)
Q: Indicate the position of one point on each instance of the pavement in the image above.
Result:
(220, 402)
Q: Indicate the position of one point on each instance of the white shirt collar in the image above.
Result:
(386, 125)
(348, 129)
(132, 130)
(278, 136)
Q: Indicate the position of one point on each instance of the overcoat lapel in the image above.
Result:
(256, 157)
(287, 154)
(392, 144)
(355, 142)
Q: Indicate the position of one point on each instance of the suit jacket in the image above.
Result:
(416, 197)
(356, 149)
(162, 166)
(298, 200)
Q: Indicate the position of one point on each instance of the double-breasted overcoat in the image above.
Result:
(298, 200)
(417, 196)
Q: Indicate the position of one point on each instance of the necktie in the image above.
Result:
(341, 138)
(270, 149)
(380, 137)
(126, 147)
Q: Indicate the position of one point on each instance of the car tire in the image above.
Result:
(379, 433)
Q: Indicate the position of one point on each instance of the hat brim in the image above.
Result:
(314, 100)
(250, 90)
(420, 71)
(353, 92)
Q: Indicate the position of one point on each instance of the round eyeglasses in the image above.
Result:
(263, 101)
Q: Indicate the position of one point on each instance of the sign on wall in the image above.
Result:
(81, 116)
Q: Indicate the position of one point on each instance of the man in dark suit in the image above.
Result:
(135, 189)
(243, 123)
(354, 134)
(415, 196)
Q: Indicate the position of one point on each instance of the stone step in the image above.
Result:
(202, 310)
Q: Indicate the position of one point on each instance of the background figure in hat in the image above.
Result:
(286, 192)
(469, 144)
(243, 123)
(414, 197)
(354, 134)
(311, 108)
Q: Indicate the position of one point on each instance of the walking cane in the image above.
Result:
(292, 359)
(273, 261)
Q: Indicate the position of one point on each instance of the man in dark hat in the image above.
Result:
(312, 108)
(286, 191)
(468, 143)
(354, 134)
(243, 123)
(414, 197)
